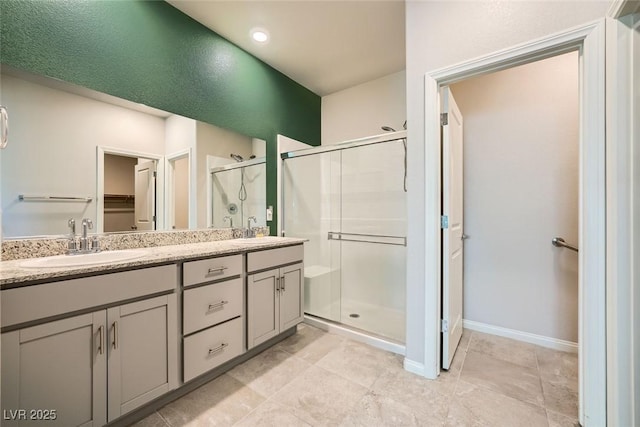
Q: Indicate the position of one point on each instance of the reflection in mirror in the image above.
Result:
(239, 193)
(87, 150)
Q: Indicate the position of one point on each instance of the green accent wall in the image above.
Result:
(151, 53)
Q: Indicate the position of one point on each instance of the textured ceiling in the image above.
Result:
(325, 46)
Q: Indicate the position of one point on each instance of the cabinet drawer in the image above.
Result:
(211, 304)
(262, 260)
(53, 299)
(212, 347)
(208, 270)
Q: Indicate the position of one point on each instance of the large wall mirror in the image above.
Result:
(77, 153)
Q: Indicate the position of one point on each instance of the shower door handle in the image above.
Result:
(367, 238)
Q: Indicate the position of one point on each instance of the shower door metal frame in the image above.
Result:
(357, 143)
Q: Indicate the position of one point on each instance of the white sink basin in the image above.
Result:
(254, 240)
(83, 259)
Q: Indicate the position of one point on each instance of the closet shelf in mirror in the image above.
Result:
(119, 210)
(119, 197)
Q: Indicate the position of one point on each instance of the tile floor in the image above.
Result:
(318, 379)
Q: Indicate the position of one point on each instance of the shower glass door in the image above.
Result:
(351, 206)
(311, 185)
(373, 230)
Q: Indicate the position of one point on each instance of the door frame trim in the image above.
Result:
(169, 190)
(589, 40)
(101, 150)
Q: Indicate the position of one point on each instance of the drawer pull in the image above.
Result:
(217, 305)
(216, 270)
(218, 348)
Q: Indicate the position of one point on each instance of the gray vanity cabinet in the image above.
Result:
(59, 370)
(88, 369)
(142, 353)
(275, 296)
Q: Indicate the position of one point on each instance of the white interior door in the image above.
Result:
(145, 204)
(452, 228)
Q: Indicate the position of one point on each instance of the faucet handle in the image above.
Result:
(94, 244)
(72, 225)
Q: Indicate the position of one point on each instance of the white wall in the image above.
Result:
(180, 134)
(521, 148)
(442, 33)
(361, 110)
(54, 135)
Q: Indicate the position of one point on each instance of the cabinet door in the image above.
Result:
(142, 344)
(58, 366)
(263, 311)
(291, 296)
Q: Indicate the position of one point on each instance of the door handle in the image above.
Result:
(282, 283)
(277, 284)
(464, 237)
(559, 242)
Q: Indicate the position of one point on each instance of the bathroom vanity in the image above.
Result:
(87, 345)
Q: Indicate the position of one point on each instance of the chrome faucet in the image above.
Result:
(85, 245)
(249, 231)
(230, 220)
(72, 246)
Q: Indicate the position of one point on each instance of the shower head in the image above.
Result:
(388, 129)
(237, 157)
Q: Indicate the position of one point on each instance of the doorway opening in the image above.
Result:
(588, 41)
(128, 193)
(510, 176)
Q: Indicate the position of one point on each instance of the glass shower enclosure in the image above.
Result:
(349, 201)
(238, 191)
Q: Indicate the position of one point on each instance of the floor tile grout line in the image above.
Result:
(164, 420)
(455, 387)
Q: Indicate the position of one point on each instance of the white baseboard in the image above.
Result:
(414, 367)
(554, 343)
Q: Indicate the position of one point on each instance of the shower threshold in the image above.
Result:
(355, 334)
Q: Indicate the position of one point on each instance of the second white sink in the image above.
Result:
(83, 259)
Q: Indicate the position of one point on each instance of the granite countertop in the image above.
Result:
(12, 275)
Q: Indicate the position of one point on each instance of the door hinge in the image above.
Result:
(444, 119)
(444, 326)
(154, 218)
(444, 221)
(155, 174)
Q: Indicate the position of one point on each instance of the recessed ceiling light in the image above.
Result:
(260, 35)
